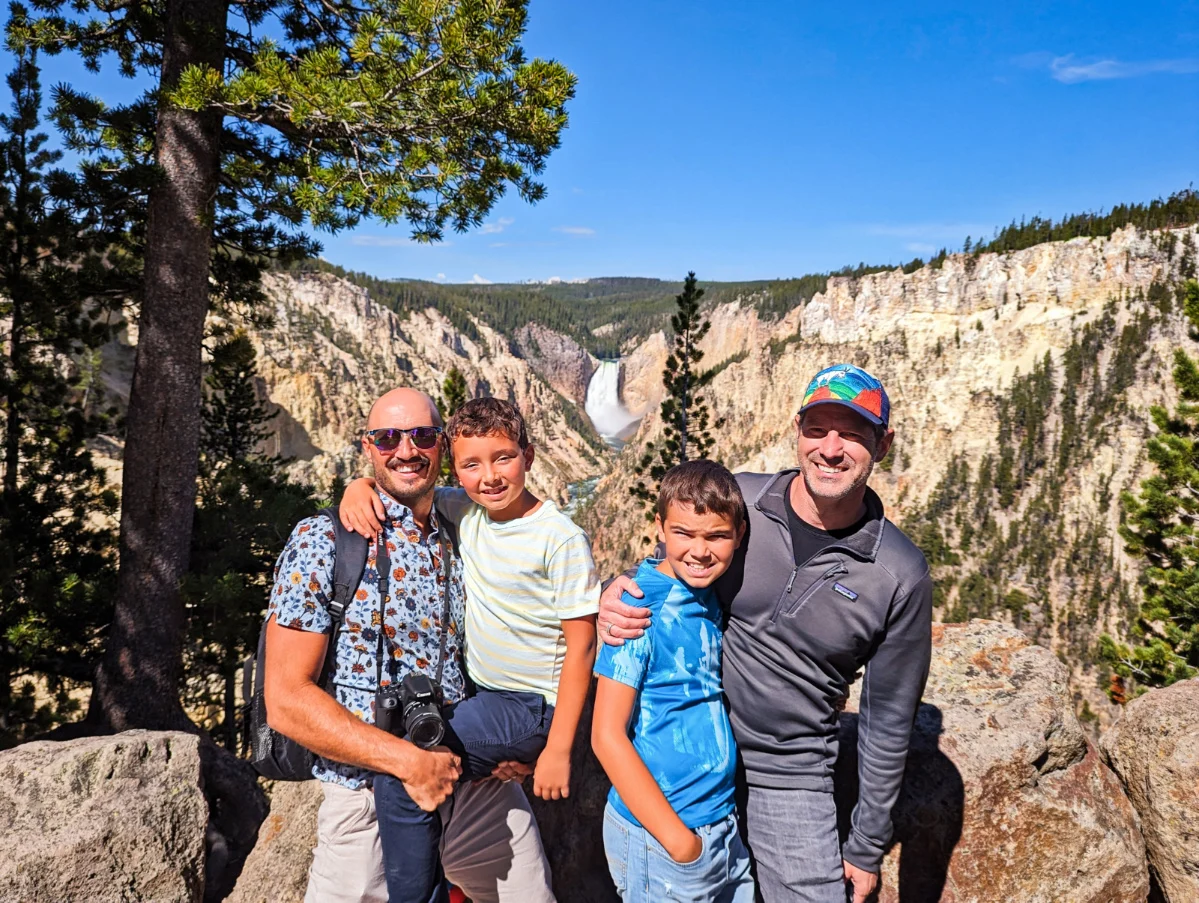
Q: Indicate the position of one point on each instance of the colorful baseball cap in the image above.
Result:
(851, 386)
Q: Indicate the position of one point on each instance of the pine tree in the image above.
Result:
(246, 508)
(59, 298)
(260, 115)
(453, 393)
(686, 431)
(453, 396)
(1162, 527)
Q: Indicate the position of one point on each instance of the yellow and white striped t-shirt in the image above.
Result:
(523, 578)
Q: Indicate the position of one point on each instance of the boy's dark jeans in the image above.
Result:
(490, 727)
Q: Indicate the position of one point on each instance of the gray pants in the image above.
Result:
(793, 842)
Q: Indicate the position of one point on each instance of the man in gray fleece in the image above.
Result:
(822, 587)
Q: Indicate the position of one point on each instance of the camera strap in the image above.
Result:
(383, 567)
(445, 604)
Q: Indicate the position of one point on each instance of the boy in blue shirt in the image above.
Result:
(670, 826)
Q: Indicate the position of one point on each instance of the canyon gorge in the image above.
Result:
(1048, 358)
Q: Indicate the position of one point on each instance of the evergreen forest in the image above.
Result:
(607, 315)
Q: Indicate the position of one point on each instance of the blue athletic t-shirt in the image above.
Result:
(679, 726)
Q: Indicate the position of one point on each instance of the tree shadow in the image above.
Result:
(927, 815)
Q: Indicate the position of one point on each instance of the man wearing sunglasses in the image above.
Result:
(492, 848)
(822, 586)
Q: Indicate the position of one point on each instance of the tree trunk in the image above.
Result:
(12, 419)
(137, 683)
(229, 729)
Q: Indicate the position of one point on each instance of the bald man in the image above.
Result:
(491, 846)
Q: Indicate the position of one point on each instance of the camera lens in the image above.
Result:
(426, 729)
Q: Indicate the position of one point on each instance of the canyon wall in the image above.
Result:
(332, 350)
(953, 344)
(950, 344)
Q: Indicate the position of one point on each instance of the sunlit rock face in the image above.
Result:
(558, 359)
(104, 819)
(948, 344)
(1154, 748)
(332, 350)
(1004, 798)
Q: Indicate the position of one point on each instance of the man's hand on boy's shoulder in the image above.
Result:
(617, 620)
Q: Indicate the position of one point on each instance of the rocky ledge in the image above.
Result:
(1004, 800)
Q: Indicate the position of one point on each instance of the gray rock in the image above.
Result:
(277, 869)
(116, 818)
(1003, 799)
(1154, 748)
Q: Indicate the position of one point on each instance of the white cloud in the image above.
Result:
(498, 226)
(476, 279)
(1065, 70)
(920, 247)
(441, 275)
(381, 241)
(575, 230)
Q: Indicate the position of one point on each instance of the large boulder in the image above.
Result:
(1154, 748)
(277, 870)
(115, 818)
(1004, 799)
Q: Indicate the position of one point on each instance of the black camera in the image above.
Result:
(412, 710)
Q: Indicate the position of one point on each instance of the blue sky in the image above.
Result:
(755, 140)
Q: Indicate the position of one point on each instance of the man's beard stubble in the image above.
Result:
(849, 490)
(411, 494)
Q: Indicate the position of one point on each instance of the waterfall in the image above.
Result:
(609, 417)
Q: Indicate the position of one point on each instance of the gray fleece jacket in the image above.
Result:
(797, 635)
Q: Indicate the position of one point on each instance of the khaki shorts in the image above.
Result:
(491, 847)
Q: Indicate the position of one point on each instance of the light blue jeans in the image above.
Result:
(644, 872)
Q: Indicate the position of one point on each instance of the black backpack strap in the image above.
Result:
(349, 564)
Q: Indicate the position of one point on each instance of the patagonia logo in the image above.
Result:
(846, 592)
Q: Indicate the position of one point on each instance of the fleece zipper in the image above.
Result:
(793, 607)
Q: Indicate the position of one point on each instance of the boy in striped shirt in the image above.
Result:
(532, 598)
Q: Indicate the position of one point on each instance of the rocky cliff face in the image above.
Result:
(938, 338)
(951, 345)
(332, 350)
(559, 360)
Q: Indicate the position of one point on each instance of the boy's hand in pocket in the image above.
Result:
(551, 776)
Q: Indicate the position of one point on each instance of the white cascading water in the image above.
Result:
(609, 417)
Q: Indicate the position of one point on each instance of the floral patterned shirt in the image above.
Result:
(411, 620)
